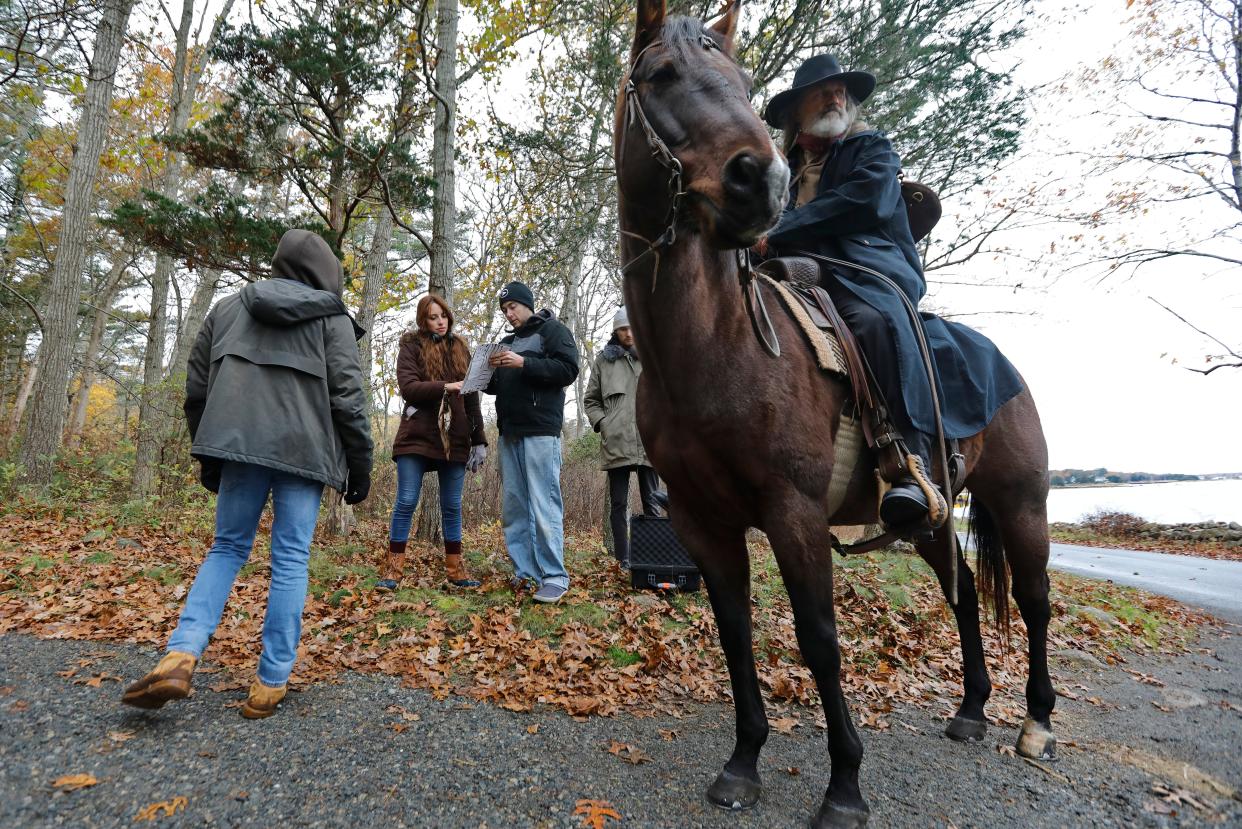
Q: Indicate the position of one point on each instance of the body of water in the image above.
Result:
(1177, 502)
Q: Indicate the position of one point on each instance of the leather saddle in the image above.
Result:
(800, 276)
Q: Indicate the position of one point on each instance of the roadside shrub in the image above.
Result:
(1120, 524)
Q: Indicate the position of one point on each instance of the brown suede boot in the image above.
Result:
(454, 567)
(394, 566)
(169, 680)
(262, 701)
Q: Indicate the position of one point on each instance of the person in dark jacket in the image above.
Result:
(609, 404)
(275, 403)
(431, 366)
(845, 202)
(529, 383)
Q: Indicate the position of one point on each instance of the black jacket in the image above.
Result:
(274, 377)
(530, 401)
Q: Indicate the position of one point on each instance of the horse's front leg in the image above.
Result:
(722, 558)
(800, 539)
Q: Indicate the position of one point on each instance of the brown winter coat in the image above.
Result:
(419, 434)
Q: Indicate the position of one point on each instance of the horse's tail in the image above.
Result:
(993, 585)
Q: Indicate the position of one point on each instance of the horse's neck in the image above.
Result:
(685, 314)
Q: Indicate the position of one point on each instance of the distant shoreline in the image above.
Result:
(1109, 485)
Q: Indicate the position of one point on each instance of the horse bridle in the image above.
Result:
(634, 114)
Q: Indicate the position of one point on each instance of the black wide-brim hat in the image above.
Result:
(814, 71)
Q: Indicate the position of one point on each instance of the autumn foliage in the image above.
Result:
(87, 573)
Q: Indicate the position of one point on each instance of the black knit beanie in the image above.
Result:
(517, 292)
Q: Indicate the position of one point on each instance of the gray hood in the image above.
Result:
(305, 257)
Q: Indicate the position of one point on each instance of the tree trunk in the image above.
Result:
(376, 268)
(90, 359)
(443, 154)
(153, 408)
(23, 394)
(192, 322)
(47, 416)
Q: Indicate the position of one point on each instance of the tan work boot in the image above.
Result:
(262, 701)
(169, 680)
(394, 566)
(454, 568)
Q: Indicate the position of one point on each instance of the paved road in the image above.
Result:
(1208, 583)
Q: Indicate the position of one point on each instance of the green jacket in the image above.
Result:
(274, 377)
(609, 405)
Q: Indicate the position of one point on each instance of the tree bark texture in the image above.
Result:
(90, 358)
(46, 419)
(443, 152)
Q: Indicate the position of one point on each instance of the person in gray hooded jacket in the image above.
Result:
(275, 404)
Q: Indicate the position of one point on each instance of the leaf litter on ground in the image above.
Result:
(604, 649)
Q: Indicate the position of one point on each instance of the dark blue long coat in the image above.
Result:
(858, 215)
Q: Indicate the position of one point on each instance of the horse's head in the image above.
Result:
(685, 124)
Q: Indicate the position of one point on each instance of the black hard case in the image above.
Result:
(657, 559)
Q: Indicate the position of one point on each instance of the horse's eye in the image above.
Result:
(663, 74)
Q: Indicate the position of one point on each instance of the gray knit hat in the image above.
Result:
(620, 319)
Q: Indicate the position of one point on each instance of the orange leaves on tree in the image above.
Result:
(596, 814)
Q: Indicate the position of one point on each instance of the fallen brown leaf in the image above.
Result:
(628, 753)
(73, 782)
(167, 808)
(596, 813)
(533, 728)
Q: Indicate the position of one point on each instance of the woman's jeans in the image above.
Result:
(410, 472)
(295, 509)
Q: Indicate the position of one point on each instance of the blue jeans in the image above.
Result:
(244, 489)
(410, 472)
(532, 513)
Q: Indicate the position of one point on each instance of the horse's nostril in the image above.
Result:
(743, 173)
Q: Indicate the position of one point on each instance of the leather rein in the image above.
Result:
(752, 297)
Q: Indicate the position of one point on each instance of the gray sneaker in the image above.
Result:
(550, 593)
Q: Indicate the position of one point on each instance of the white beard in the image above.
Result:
(832, 125)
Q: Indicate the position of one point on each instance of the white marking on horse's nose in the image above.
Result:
(778, 180)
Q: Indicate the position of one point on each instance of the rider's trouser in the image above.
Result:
(871, 330)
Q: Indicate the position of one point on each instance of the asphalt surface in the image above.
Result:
(331, 758)
(1213, 584)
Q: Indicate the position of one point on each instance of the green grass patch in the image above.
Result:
(621, 657)
(38, 562)
(164, 574)
(101, 557)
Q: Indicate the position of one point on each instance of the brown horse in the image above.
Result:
(744, 439)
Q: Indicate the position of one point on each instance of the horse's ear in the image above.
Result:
(650, 18)
(726, 26)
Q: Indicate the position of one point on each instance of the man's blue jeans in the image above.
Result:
(532, 513)
(295, 509)
(410, 472)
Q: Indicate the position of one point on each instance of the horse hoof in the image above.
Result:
(964, 730)
(832, 816)
(729, 791)
(1037, 742)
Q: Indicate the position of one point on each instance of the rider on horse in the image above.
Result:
(845, 202)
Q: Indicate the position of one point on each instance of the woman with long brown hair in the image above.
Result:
(441, 431)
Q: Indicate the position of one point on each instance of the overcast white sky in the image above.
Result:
(1098, 355)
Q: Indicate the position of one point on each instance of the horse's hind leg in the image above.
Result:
(800, 540)
(722, 558)
(1025, 532)
(969, 724)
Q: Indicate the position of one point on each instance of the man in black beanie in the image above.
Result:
(529, 384)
